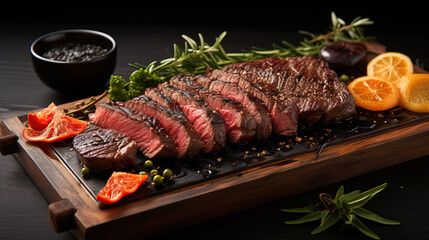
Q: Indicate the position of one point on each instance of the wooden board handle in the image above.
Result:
(8, 144)
(61, 215)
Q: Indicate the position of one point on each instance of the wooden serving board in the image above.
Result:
(208, 187)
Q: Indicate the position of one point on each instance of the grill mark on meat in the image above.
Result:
(206, 120)
(103, 150)
(163, 99)
(186, 138)
(308, 79)
(254, 106)
(283, 116)
(240, 126)
(152, 139)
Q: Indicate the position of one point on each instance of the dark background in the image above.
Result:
(144, 31)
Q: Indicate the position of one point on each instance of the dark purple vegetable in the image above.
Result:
(341, 55)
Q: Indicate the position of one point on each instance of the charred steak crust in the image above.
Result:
(240, 126)
(306, 80)
(206, 120)
(283, 116)
(152, 139)
(186, 138)
(103, 150)
(254, 106)
(165, 100)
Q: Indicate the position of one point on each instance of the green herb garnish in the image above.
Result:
(195, 57)
(344, 207)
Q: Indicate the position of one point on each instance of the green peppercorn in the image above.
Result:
(153, 172)
(148, 164)
(85, 171)
(142, 173)
(157, 179)
(167, 173)
(344, 78)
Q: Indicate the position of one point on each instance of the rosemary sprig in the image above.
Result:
(344, 207)
(196, 56)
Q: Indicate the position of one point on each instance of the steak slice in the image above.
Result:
(306, 80)
(165, 100)
(240, 126)
(103, 150)
(152, 139)
(284, 117)
(208, 122)
(186, 138)
(254, 106)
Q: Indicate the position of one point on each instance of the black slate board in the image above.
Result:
(236, 158)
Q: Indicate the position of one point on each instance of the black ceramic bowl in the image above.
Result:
(74, 77)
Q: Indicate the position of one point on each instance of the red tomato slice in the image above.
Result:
(61, 127)
(41, 119)
(119, 185)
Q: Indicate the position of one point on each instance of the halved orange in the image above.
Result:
(414, 92)
(374, 93)
(390, 66)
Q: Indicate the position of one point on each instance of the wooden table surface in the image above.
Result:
(23, 209)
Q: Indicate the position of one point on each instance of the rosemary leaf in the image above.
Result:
(307, 218)
(361, 212)
(306, 209)
(330, 220)
(364, 229)
(348, 196)
(358, 202)
(324, 216)
(365, 196)
(339, 193)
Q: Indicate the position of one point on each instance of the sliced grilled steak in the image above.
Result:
(307, 80)
(254, 106)
(186, 138)
(103, 150)
(163, 99)
(206, 120)
(240, 126)
(152, 140)
(284, 117)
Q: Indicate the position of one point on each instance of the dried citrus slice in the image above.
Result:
(414, 92)
(374, 93)
(390, 65)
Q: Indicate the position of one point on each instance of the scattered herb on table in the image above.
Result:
(344, 207)
(196, 57)
(83, 108)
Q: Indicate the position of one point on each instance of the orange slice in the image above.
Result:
(374, 93)
(390, 65)
(414, 92)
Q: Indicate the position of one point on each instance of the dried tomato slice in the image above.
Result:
(41, 119)
(59, 128)
(119, 185)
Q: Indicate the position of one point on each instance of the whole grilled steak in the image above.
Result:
(206, 120)
(307, 81)
(283, 117)
(254, 106)
(102, 149)
(186, 138)
(240, 126)
(152, 139)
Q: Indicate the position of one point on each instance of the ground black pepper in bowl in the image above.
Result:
(74, 61)
(75, 52)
